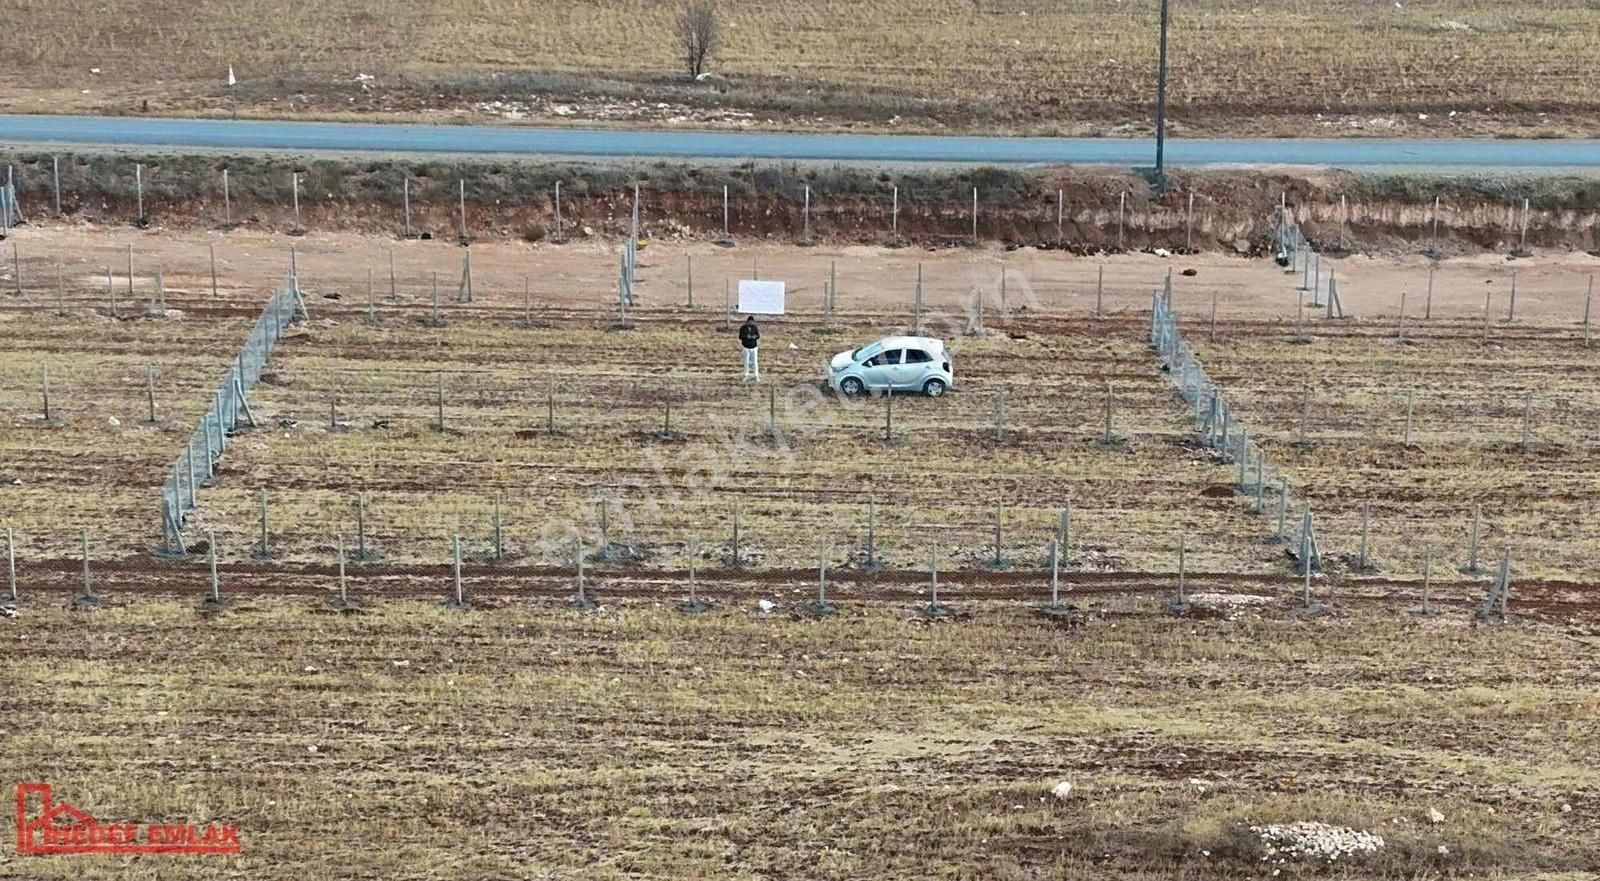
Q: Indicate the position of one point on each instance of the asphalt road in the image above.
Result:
(251, 135)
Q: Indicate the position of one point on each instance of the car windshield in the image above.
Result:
(866, 352)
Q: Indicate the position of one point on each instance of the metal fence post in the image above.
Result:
(1055, 574)
(499, 535)
(1099, 289)
(405, 199)
(1122, 208)
(558, 212)
(11, 563)
(1188, 235)
(44, 389)
(265, 551)
(216, 581)
(1060, 211)
(1110, 413)
(88, 597)
(440, 403)
(1472, 539)
(344, 597)
(1411, 400)
(974, 215)
(806, 233)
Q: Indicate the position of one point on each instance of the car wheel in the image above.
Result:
(851, 387)
(933, 388)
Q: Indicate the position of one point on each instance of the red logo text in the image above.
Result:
(46, 827)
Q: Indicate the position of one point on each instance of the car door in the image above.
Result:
(878, 371)
(917, 366)
(902, 373)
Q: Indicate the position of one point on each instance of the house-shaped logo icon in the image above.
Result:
(61, 828)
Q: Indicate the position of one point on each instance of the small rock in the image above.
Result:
(1191, 273)
(1242, 246)
(401, 663)
(766, 606)
(1444, 851)
(1566, 808)
(1062, 790)
(113, 421)
(1434, 816)
(312, 749)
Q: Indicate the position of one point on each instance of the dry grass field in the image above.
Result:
(1470, 400)
(523, 739)
(803, 495)
(94, 463)
(529, 741)
(1086, 66)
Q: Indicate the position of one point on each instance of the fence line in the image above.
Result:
(210, 438)
(10, 210)
(1213, 415)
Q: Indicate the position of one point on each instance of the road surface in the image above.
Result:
(259, 135)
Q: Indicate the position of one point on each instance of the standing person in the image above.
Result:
(750, 338)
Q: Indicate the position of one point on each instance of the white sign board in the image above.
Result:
(760, 297)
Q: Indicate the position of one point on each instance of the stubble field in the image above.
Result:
(524, 738)
(529, 741)
(1088, 66)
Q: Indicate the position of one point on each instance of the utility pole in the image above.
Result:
(1161, 106)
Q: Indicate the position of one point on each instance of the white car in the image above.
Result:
(895, 363)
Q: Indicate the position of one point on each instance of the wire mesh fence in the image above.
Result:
(1218, 425)
(10, 211)
(211, 437)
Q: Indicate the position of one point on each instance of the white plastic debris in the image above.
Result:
(232, 81)
(1162, 252)
(113, 421)
(766, 606)
(1062, 790)
(1434, 816)
(95, 71)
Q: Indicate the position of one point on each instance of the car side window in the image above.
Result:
(893, 357)
(917, 356)
(873, 361)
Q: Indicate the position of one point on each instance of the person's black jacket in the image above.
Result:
(749, 334)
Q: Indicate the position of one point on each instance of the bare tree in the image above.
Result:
(697, 34)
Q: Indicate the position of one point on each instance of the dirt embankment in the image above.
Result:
(1077, 209)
